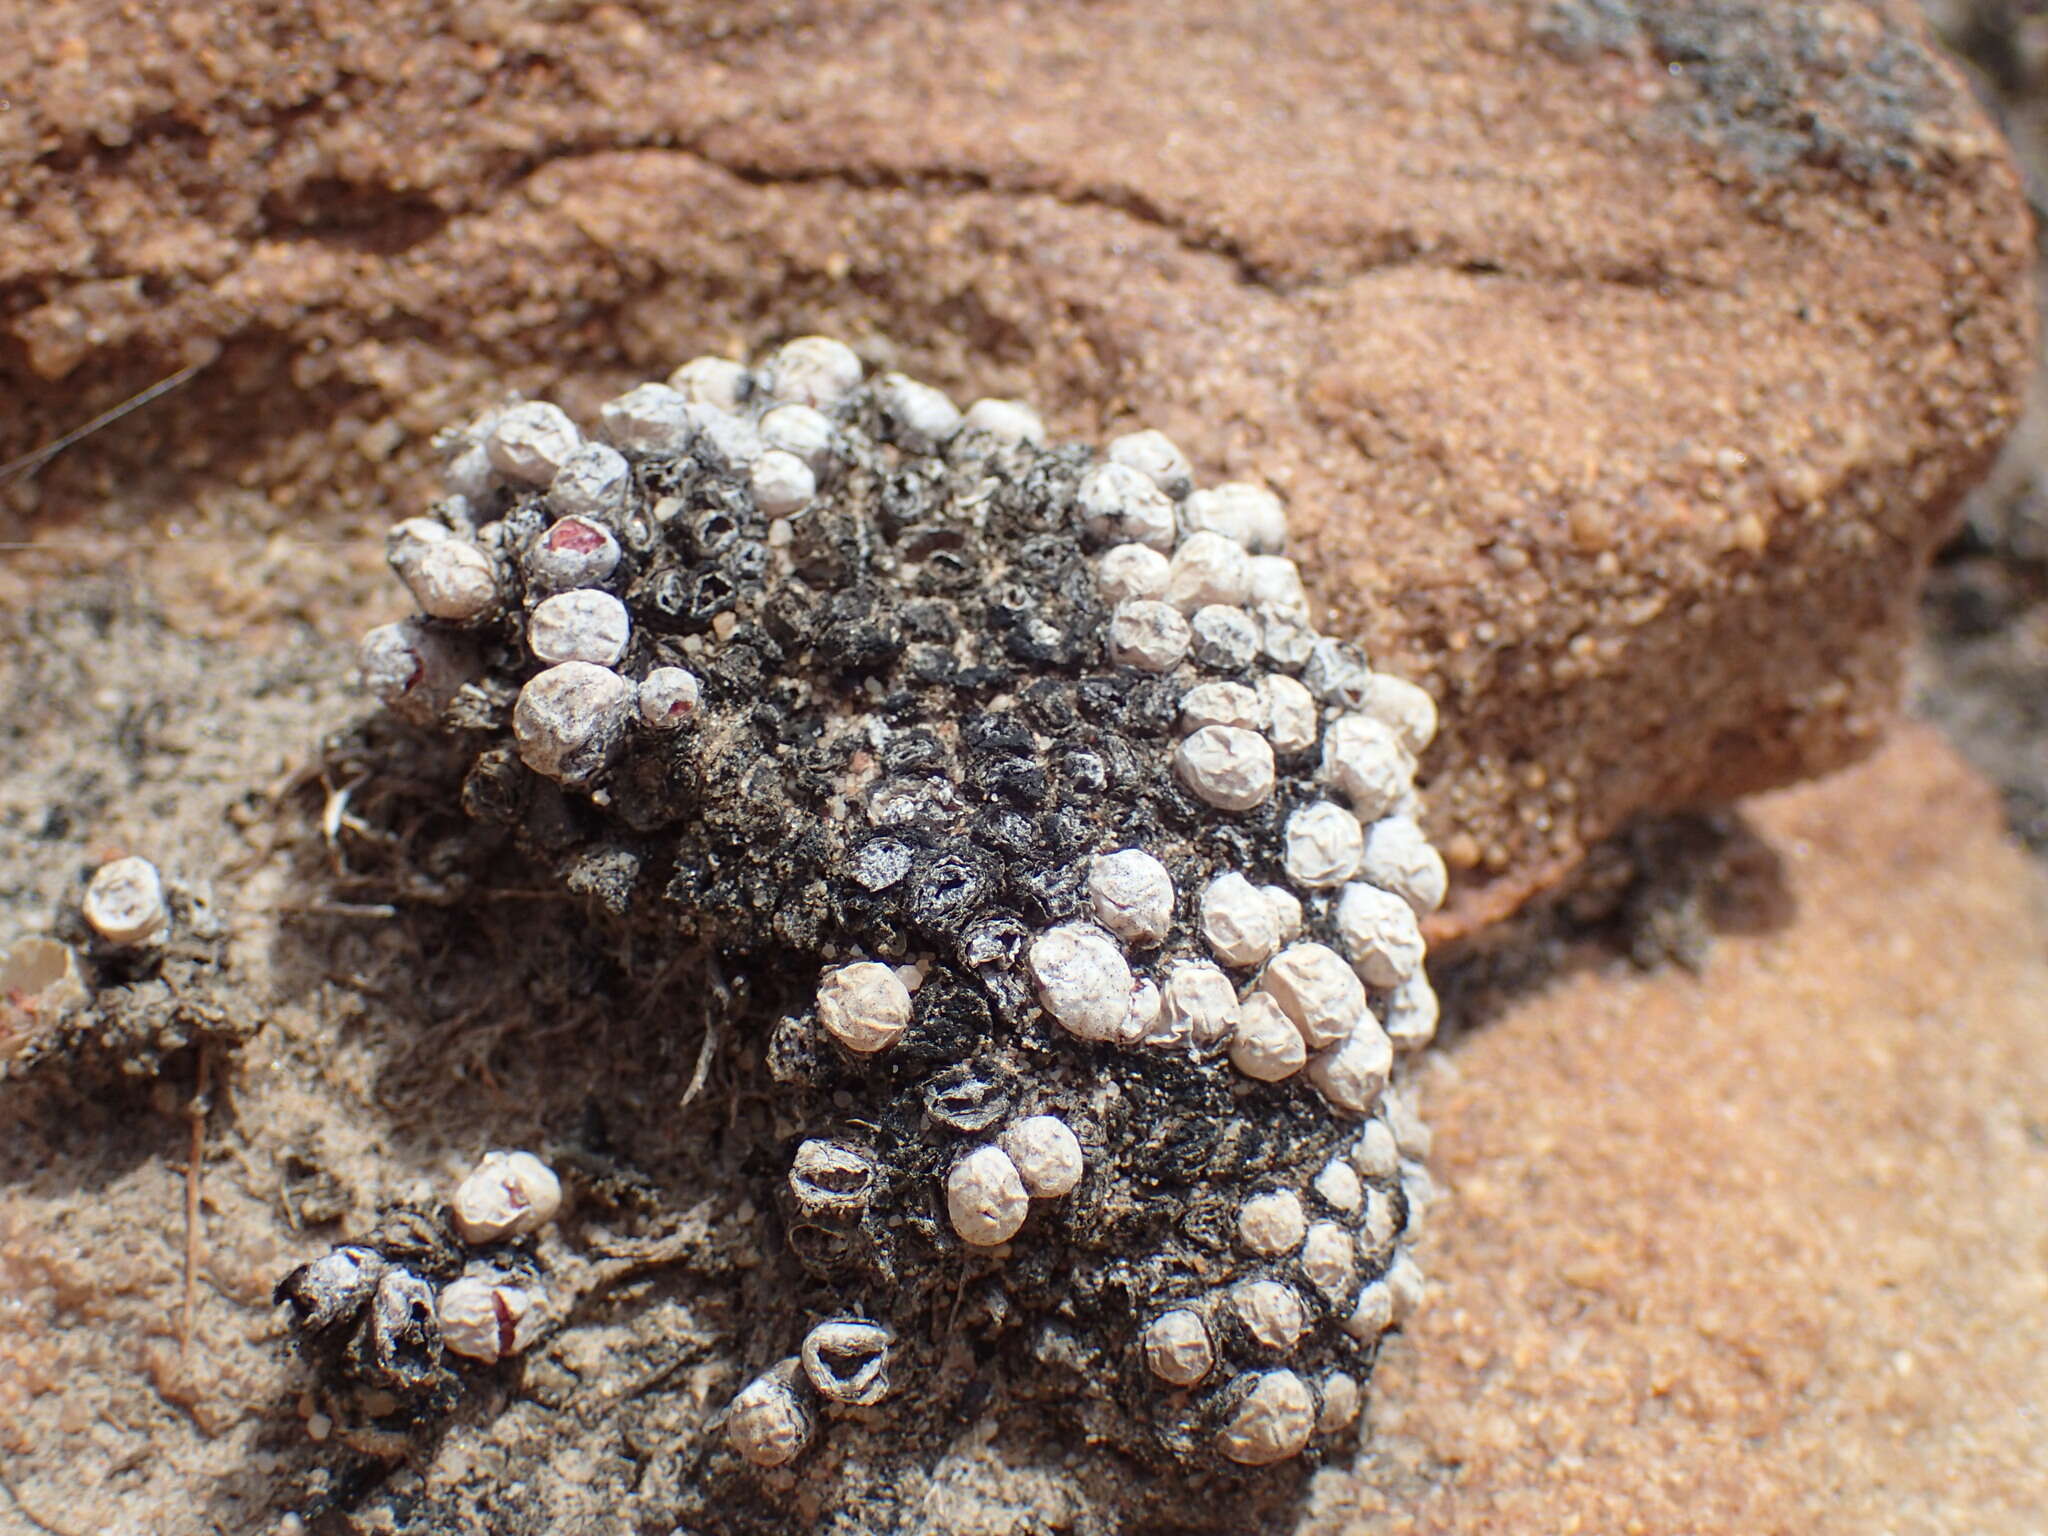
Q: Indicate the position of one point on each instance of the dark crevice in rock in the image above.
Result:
(1658, 893)
(376, 220)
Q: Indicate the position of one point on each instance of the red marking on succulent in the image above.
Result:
(508, 1325)
(574, 536)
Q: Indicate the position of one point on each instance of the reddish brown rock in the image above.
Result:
(1621, 362)
(1760, 1249)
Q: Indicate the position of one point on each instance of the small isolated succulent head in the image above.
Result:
(124, 902)
(381, 1314)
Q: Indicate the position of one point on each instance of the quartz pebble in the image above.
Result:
(1083, 980)
(920, 417)
(768, 1423)
(648, 419)
(449, 577)
(1119, 503)
(452, 580)
(1270, 1313)
(986, 1198)
(1272, 1224)
(1340, 1403)
(1286, 911)
(1221, 704)
(531, 441)
(507, 1194)
(1290, 712)
(1412, 1011)
(1285, 642)
(1148, 635)
(1380, 933)
(414, 669)
(1406, 1286)
(801, 431)
(864, 1006)
(1324, 844)
(1266, 1046)
(1238, 921)
(1337, 673)
(668, 698)
(782, 483)
(1352, 1073)
(1420, 1190)
(1366, 761)
(1207, 569)
(1379, 1227)
(124, 901)
(468, 472)
(571, 719)
(1143, 1020)
(1372, 1314)
(1246, 514)
(1008, 421)
(1411, 1135)
(1198, 1006)
(1047, 1155)
(1317, 991)
(1153, 454)
(1224, 639)
(1228, 768)
(575, 552)
(1375, 1154)
(1177, 1347)
(1405, 709)
(1131, 895)
(732, 442)
(1398, 858)
(1275, 591)
(812, 370)
(718, 382)
(486, 1315)
(1329, 1261)
(1338, 1185)
(1130, 573)
(1273, 1421)
(584, 625)
(592, 482)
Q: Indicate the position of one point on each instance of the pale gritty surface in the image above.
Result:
(1762, 1250)
(1755, 1251)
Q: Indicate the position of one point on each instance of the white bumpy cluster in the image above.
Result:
(1088, 818)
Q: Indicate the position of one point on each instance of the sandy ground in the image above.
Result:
(1750, 1248)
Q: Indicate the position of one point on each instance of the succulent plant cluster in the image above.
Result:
(383, 1313)
(1081, 875)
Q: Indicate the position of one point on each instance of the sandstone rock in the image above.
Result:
(1620, 361)
(1756, 1250)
